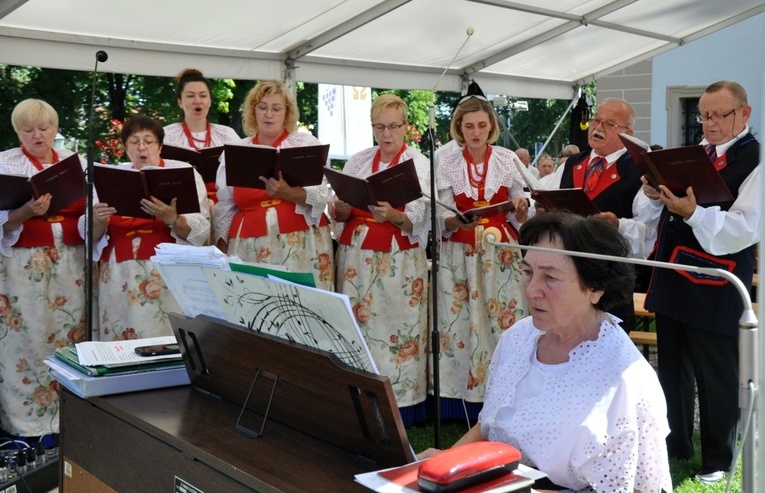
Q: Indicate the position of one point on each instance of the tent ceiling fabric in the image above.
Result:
(532, 48)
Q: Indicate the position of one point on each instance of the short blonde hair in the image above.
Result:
(471, 105)
(388, 101)
(32, 112)
(261, 90)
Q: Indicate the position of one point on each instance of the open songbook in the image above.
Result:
(123, 188)
(678, 168)
(398, 185)
(299, 166)
(205, 160)
(563, 199)
(65, 181)
(471, 215)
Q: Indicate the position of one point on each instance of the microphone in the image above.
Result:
(101, 56)
(469, 31)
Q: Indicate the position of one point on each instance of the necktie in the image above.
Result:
(592, 175)
(712, 151)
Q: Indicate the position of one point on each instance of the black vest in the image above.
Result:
(711, 304)
(618, 197)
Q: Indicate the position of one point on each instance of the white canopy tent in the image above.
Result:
(525, 48)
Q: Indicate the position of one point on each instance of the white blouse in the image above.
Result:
(596, 423)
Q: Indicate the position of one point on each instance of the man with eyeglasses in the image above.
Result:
(612, 181)
(698, 331)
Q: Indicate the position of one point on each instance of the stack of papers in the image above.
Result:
(104, 368)
(181, 268)
(175, 254)
(122, 353)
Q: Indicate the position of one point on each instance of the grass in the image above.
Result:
(683, 472)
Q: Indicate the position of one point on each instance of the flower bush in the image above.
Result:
(111, 146)
(413, 136)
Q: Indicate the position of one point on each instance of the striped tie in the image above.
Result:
(592, 175)
(712, 151)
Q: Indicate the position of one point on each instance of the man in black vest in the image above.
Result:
(612, 181)
(697, 315)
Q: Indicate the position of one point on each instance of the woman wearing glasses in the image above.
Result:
(195, 98)
(281, 225)
(382, 265)
(480, 291)
(133, 300)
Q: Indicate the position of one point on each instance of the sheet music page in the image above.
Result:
(181, 268)
(191, 289)
(118, 353)
(310, 316)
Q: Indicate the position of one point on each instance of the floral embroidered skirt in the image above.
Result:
(388, 293)
(480, 296)
(299, 251)
(42, 307)
(134, 301)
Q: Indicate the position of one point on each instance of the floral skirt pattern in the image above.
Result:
(42, 307)
(299, 251)
(481, 296)
(134, 301)
(389, 296)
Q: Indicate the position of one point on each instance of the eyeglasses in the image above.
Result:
(564, 155)
(145, 142)
(275, 109)
(714, 118)
(607, 126)
(379, 127)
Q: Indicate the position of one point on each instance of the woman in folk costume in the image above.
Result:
(134, 301)
(479, 285)
(42, 277)
(195, 131)
(382, 264)
(281, 225)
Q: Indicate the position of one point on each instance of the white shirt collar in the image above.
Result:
(722, 148)
(611, 158)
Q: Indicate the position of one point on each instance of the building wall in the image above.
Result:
(734, 53)
(634, 85)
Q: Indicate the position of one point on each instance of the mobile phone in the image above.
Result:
(158, 350)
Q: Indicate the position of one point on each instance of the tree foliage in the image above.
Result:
(120, 96)
(117, 97)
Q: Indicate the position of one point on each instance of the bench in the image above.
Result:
(643, 317)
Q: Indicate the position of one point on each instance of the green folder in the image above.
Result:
(302, 278)
(68, 355)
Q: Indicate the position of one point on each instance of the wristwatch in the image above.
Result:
(400, 223)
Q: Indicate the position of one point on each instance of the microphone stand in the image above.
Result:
(435, 338)
(101, 56)
(748, 365)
